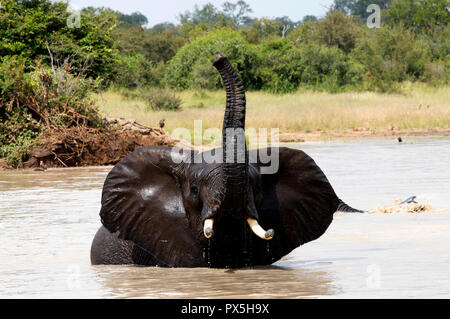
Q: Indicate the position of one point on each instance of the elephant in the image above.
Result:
(164, 208)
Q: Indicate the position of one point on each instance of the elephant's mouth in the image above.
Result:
(208, 228)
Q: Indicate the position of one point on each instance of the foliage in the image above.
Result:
(156, 99)
(335, 29)
(209, 16)
(333, 53)
(192, 65)
(391, 56)
(359, 7)
(280, 68)
(237, 12)
(161, 99)
(136, 71)
(267, 28)
(31, 29)
(15, 153)
(33, 101)
(155, 46)
(419, 16)
(136, 19)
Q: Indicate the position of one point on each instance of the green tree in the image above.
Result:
(336, 29)
(308, 18)
(38, 29)
(135, 19)
(192, 66)
(267, 28)
(359, 7)
(392, 55)
(207, 15)
(420, 16)
(237, 12)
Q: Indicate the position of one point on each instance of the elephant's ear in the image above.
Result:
(142, 200)
(298, 201)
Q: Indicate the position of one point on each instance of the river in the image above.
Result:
(48, 220)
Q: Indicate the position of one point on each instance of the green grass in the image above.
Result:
(300, 112)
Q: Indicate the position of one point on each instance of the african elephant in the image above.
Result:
(160, 207)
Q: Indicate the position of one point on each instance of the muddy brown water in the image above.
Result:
(48, 220)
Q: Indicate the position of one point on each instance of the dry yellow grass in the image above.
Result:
(417, 107)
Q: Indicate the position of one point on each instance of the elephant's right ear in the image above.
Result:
(142, 200)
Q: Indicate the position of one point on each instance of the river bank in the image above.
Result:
(304, 116)
(363, 132)
(79, 147)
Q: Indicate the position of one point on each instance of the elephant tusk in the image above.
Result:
(258, 230)
(208, 227)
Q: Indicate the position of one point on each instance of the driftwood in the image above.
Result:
(82, 146)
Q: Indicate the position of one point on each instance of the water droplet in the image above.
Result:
(209, 253)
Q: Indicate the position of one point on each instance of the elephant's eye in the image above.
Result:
(194, 190)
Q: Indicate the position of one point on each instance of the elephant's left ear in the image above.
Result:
(298, 201)
(142, 200)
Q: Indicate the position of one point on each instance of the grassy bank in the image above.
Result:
(416, 107)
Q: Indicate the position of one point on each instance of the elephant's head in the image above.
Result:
(230, 188)
(187, 211)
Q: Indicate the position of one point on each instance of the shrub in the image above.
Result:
(323, 67)
(42, 98)
(418, 16)
(437, 73)
(156, 99)
(162, 99)
(30, 28)
(134, 71)
(391, 55)
(336, 29)
(16, 153)
(192, 65)
(280, 66)
(204, 75)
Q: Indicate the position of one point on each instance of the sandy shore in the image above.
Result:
(361, 133)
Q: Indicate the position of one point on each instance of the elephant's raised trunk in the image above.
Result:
(235, 158)
(234, 169)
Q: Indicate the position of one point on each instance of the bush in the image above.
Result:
(323, 67)
(16, 153)
(390, 56)
(136, 71)
(280, 66)
(419, 16)
(284, 67)
(30, 28)
(336, 29)
(204, 75)
(192, 68)
(162, 99)
(437, 73)
(157, 99)
(33, 101)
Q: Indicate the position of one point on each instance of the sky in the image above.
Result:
(158, 11)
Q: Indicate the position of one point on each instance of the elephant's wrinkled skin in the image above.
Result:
(158, 208)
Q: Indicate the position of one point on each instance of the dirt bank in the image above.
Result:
(83, 146)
